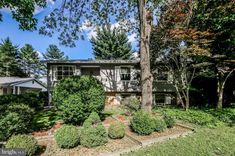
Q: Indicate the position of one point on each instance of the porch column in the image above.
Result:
(14, 89)
(18, 90)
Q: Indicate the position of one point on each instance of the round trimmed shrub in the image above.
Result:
(116, 130)
(85, 94)
(160, 124)
(29, 143)
(93, 132)
(67, 136)
(170, 121)
(142, 123)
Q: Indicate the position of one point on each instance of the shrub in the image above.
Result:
(11, 124)
(160, 124)
(93, 132)
(116, 130)
(16, 119)
(82, 93)
(142, 123)
(31, 99)
(67, 136)
(27, 142)
(170, 121)
(131, 104)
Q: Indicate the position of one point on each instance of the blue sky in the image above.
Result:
(9, 28)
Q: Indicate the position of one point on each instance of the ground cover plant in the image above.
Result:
(116, 130)
(202, 117)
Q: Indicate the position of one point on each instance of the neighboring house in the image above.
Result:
(120, 78)
(16, 85)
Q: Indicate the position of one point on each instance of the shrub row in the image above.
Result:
(144, 123)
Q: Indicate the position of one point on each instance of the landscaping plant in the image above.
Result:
(142, 123)
(67, 136)
(116, 130)
(28, 143)
(77, 96)
(131, 104)
(93, 132)
(170, 121)
(160, 124)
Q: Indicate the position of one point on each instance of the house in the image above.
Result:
(120, 78)
(16, 85)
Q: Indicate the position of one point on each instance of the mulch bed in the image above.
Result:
(168, 132)
(111, 146)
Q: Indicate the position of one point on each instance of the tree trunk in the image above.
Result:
(146, 76)
(187, 100)
(219, 92)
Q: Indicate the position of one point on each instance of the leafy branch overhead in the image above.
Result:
(23, 11)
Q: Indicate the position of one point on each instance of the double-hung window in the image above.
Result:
(125, 73)
(62, 71)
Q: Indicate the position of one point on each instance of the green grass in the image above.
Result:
(204, 142)
(45, 119)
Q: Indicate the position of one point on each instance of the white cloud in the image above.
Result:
(132, 38)
(40, 54)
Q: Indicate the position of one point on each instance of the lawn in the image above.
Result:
(214, 134)
(205, 141)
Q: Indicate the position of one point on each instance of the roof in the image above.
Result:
(93, 61)
(11, 81)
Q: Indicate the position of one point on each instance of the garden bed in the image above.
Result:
(130, 142)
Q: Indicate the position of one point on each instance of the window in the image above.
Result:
(60, 72)
(125, 73)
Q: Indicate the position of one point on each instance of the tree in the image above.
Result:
(177, 46)
(218, 17)
(132, 16)
(54, 53)
(30, 61)
(9, 59)
(22, 11)
(111, 44)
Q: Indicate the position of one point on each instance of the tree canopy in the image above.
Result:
(23, 11)
(111, 44)
(54, 53)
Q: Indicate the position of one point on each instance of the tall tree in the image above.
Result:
(54, 53)
(176, 45)
(30, 61)
(218, 17)
(111, 44)
(22, 11)
(9, 59)
(132, 15)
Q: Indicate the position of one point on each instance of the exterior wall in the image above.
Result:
(1, 91)
(109, 76)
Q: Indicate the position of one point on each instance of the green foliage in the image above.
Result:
(9, 62)
(111, 44)
(30, 61)
(160, 124)
(142, 123)
(116, 130)
(93, 132)
(31, 99)
(86, 94)
(169, 120)
(23, 12)
(204, 142)
(54, 53)
(67, 136)
(15, 119)
(131, 104)
(45, 119)
(28, 143)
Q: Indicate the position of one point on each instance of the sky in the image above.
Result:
(10, 28)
